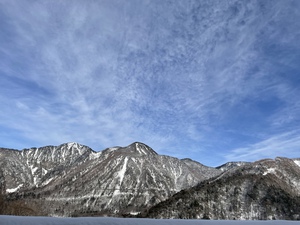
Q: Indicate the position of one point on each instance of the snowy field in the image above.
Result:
(21, 220)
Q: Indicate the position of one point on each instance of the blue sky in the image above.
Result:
(214, 81)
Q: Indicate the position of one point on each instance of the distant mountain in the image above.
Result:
(231, 165)
(72, 179)
(266, 189)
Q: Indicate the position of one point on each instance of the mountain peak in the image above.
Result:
(141, 149)
(72, 145)
(75, 148)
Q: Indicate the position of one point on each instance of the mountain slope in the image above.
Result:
(37, 166)
(266, 189)
(72, 179)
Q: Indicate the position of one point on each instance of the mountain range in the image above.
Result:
(135, 181)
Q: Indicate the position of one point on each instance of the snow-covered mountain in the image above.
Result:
(266, 189)
(72, 179)
(36, 167)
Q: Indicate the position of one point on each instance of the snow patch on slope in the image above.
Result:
(113, 149)
(121, 175)
(33, 169)
(95, 155)
(297, 162)
(123, 170)
(140, 150)
(48, 181)
(12, 190)
(270, 170)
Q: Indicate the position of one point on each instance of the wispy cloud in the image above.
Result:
(174, 75)
(284, 144)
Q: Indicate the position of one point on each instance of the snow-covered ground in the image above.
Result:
(21, 220)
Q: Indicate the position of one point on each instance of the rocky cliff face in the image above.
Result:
(267, 189)
(72, 179)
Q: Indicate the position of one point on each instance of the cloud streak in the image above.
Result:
(284, 144)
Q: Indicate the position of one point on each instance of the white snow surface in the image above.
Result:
(24, 220)
(123, 170)
(297, 162)
(270, 170)
(95, 155)
(48, 181)
(11, 190)
(113, 149)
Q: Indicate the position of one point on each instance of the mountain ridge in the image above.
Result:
(262, 190)
(73, 180)
(131, 178)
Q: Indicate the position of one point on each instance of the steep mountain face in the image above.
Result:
(72, 179)
(266, 189)
(37, 166)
